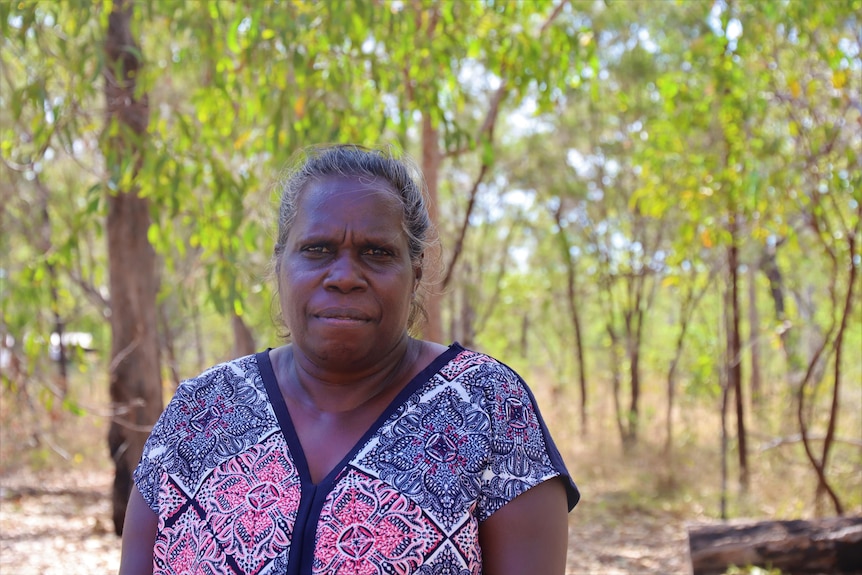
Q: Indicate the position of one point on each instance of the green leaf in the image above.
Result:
(233, 38)
(153, 234)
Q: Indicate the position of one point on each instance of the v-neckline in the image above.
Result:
(291, 436)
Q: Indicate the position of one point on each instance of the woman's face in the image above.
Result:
(345, 277)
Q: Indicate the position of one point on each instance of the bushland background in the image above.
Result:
(651, 209)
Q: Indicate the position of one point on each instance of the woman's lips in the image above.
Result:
(343, 316)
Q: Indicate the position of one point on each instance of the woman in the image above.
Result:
(355, 448)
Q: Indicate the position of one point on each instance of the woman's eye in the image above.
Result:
(377, 252)
(315, 249)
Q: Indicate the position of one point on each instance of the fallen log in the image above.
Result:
(831, 545)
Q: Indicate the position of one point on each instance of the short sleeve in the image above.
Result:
(210, 419)
(163, 443)
(146, 477)
(523, 454)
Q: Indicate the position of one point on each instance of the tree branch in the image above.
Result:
(462, 233)
(553, 16)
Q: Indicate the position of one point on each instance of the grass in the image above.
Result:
(687, 484)
(642, 486)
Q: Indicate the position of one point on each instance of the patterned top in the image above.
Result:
(224, 471)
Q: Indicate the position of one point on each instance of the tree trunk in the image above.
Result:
(671, 390)
(634, 338)
(725, 400)
(433, 329)
(754, 336)
(735, 355)
(468, 312)
(832, 545)
(134, 374)
(616, 384)
(820, 464)
(243, 340)
(200, 353)
(168, 346)
(574, 314)
(46, 246)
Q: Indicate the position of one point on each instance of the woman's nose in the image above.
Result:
(345, 274)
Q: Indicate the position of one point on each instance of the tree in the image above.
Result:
(819, 99)
(134, 372)
(604, 174)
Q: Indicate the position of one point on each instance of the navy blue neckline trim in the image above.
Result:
(289, 431)
(313, 496)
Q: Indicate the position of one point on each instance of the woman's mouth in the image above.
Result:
(343, 316)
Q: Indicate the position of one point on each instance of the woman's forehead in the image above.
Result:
(328, 191)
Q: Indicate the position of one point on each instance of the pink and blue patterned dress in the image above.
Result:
(224, 471)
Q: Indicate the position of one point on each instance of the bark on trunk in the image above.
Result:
(167, 344)
(634, 342)
(46, 246)
(754, 336)
(134, 375)
(735, 356)
(574, 314)
(467, 323)
(243, 340)
(433, 329)
(831, 545)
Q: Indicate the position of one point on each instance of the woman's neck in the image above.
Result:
(316, 388)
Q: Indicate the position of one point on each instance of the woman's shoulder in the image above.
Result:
(238, 371)
(211, 418)
(229, 394)
(477, 367)
(239, 366)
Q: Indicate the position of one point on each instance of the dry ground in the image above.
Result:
(55, 485)
(59, 523)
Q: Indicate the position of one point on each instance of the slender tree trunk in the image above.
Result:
(671, 395)
(788, 333)
(724, 442)
(468, 312)
(200, 353)
(616, 379)
(754, 336)
(687, 310)
(671, 381)
(168, 345)
(726, 388)
(582, 369)
(46, 246)
(835, 406)
(243, 340)
(574, 314)
(735, 355)
(820, 466)
(634, 350)
(817, 464)
(452, 307)
(134, 374)
(431, 159)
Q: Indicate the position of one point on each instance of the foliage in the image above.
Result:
(646, 127)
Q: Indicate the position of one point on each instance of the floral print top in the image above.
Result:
(224, 471)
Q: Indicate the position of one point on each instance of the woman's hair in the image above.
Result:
(400, 172)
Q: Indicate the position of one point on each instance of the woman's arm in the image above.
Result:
(529, 534)
(139, 536)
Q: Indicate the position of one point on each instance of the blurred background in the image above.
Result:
(651, 209)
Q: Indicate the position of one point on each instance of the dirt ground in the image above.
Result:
(60, 524)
